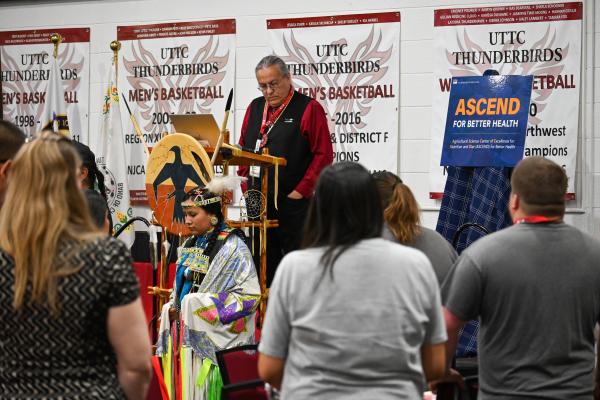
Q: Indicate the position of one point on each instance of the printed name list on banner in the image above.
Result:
(487, 121)
(173, 68)
(350, 64)
(543, 40)
(25, 70)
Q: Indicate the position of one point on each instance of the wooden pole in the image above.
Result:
(263, 241)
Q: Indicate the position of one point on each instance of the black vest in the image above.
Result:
(285, 140)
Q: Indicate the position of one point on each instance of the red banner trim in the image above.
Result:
(176, 29)
(509, 14)
(42, 36)
(333, 20)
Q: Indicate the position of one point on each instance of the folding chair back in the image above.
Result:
(238, 364)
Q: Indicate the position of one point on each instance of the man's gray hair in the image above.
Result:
(271, 60)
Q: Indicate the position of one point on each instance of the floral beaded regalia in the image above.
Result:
(216, 293)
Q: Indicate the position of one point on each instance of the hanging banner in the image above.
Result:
(173, 68)
(543, 40)
(487, 121)
(26, 58)
(350, 64)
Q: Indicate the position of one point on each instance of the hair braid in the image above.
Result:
(99, 178)
(212, 239)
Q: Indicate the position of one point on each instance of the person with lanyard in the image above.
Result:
(535, 286)
(293, 126)
(214, 299)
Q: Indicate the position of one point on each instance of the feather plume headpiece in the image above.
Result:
(211, 193)
(219, 184)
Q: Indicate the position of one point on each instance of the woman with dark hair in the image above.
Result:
(90, 175)
(351, 316)
(98, 210)
(215, 295)
(71, 307)
(401, 215)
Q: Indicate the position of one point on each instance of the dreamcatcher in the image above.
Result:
(253, 205)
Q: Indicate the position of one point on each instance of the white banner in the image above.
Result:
(350, 64)
(543, 40)
(110, 154)
(173, 68)
(25, 70)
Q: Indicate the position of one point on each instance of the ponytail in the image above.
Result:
(400, 209)
(100, 180)
(402, 214)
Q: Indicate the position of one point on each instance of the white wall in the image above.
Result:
(416, 49)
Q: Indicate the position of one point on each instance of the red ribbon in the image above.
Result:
(536, 219)
(267, 123)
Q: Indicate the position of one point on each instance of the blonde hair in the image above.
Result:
(400, 208)
(44, 212)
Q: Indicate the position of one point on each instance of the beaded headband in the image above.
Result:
(214, 189)
(200, 201)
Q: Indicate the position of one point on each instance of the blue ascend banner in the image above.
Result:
(486, 121)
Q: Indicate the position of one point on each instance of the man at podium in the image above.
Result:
(290, 125)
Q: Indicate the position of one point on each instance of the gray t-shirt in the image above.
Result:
(359, 335)
(438, 250)
(536, 288)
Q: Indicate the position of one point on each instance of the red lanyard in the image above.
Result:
(536, 219)
(267, 123)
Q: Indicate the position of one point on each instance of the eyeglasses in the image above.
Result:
(271, 85)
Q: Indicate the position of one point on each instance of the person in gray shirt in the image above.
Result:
(403, 224)
(536, 288)
(351, 316)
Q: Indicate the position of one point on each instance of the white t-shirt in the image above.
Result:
(358, 335)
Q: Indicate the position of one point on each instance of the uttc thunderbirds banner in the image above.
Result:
(26, 60)
(173, 68)
(543, 40)
(350, 64)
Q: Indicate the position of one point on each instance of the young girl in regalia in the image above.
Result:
(214, 299)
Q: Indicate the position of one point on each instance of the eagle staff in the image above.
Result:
(136, 126)
(223, 128)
